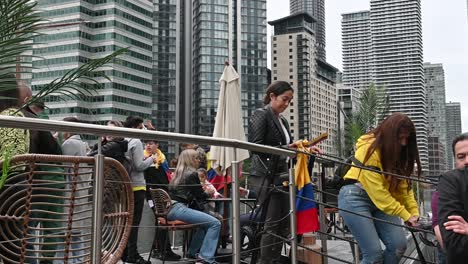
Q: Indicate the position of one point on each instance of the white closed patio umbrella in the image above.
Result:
(228, 123)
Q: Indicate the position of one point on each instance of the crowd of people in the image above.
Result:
(385, 200)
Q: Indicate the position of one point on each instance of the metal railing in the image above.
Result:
(99, 130)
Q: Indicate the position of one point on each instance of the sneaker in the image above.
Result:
(170, 256)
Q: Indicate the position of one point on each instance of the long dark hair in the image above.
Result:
(394, 157)
(277, 88)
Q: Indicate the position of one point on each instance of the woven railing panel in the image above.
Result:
(46, 209)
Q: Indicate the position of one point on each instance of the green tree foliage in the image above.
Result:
(372, 107)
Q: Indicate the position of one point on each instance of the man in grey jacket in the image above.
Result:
(138, 163)
(73, 145)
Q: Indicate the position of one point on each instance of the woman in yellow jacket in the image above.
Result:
(391, 147)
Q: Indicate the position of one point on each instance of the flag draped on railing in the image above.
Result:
(306, 209)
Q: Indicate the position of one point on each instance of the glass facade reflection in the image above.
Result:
(83, 30)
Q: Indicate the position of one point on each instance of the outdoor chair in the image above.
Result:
(46, 209)
(162, 205)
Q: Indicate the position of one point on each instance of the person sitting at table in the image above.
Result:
(186, 190)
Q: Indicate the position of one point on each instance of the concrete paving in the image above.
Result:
(336, 248)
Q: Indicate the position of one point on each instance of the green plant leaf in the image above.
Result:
(5, 167)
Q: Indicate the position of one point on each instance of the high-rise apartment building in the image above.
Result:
(192, 41)
(437, 125)
(84, 30)
(437, 158)
(396, 58)
(454, 128)
(315, 8)
(313, 109)
(357, 50)
(172, 50)
(233, 31)
(166, 74)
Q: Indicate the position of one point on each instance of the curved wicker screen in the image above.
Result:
(46, 209)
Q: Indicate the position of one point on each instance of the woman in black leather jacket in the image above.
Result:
(187, 191)
(268, 127)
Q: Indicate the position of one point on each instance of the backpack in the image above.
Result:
(343, 168)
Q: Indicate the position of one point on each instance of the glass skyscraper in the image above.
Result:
(391, 57)
(437, 124)
(166, 73)
(192, 41)
(233, 31)
(454, 128)
(82, 30)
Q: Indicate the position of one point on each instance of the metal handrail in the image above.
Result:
(100, 130)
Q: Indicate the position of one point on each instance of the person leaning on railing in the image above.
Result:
(267, 126)
(391, 147)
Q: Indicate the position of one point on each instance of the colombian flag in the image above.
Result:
(165, 167)
(214, 178)
(306, 216)
(161, 161)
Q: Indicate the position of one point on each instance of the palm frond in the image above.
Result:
(74, 84)
(18, 24)
(373, 106)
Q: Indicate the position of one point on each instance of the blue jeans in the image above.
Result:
(78, 250)
(368, 232)
(205, 239)
(441, 256)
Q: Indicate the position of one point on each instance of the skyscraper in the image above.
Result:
(316, 8)
(313, 109)
(227, 30)
(437, 125)
(92, 29)
(454, 128)
(396, 58)
(357, 50)
(192, 41)
(166, 73)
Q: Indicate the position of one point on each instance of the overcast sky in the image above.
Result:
(445, 39)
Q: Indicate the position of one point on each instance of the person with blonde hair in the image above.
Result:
(187, 193)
